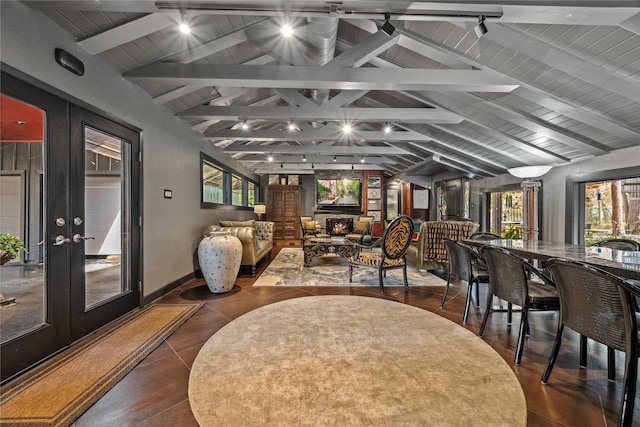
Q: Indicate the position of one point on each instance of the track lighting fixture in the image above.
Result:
(270, 157)
(362, 159)
(304, 157)
(480, 29)
(387, 27)
(335, 159)
(351, 166)
(245, 125)
(387, 128)
(184, 23)
(346, 129)
(286, 30)
(281, 165)
(313, 165)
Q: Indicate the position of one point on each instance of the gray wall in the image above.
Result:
(171, 149)
(554, 187)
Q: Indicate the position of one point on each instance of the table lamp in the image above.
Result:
(259, 210)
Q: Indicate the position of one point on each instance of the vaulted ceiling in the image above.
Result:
(549, 82)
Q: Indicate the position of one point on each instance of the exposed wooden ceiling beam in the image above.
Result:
(321, 77)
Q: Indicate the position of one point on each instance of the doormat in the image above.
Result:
(59, 391)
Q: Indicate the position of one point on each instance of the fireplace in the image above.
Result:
(339, 226)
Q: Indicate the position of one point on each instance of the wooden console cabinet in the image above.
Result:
(283, 208)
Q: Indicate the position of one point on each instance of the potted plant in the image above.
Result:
(10, 247)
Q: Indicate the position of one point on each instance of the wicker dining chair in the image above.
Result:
(394, 244)
(510, 279)
(461, 266)
(620, 244)
(597, 305)
(484, 235)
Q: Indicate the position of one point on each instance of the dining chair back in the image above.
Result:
(595, 304)
(462, 267)
(485, 235)
(394, 244)
(518, 282)
(620, 244)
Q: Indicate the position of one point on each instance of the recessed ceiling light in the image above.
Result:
(270, 157)
(291, 127)
(184, 28)
(245, 125)
(387, 129)
(184, 23)
(287, 30)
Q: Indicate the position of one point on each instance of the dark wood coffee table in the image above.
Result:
(318, 247)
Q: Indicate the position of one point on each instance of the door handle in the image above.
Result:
(77, 238)
(61, 240)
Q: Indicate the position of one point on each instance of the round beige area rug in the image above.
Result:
(351, 361)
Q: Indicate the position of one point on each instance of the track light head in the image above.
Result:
(480, 29)
(335, 159)
(387, 27)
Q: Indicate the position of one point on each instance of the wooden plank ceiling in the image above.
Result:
(549, 82)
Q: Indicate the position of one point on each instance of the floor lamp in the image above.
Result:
(530, 187)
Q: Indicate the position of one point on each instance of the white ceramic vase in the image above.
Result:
(220, 255)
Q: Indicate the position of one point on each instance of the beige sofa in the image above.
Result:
(428, 252)
(256, 238)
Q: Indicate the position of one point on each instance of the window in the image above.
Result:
(506, 214)
(212, 184)
(251, 194)
(236, 190)
(602, 205)
(612, 209)
(222, 186)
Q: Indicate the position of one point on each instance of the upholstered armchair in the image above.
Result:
(362, 228)
(310, 228)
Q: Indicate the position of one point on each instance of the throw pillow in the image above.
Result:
(309, 225)
(363, 226)
(415, 237)
(226, 223)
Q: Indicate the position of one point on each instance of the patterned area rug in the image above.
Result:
(287, 269)
(59, 391)
(351, 361)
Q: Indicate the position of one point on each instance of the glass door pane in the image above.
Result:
(506, 213)
(22, 275)
(106, 213)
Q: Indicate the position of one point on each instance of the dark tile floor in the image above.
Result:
(155, 393)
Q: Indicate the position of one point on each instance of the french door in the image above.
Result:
(71, 178)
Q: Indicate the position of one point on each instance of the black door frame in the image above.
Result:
(23, 352)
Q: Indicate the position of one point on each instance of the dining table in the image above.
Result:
(625, 264)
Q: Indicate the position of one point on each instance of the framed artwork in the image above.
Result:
(374, 181)
(374, 205)
(373, 193)
(274, 179)
(376, 216)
